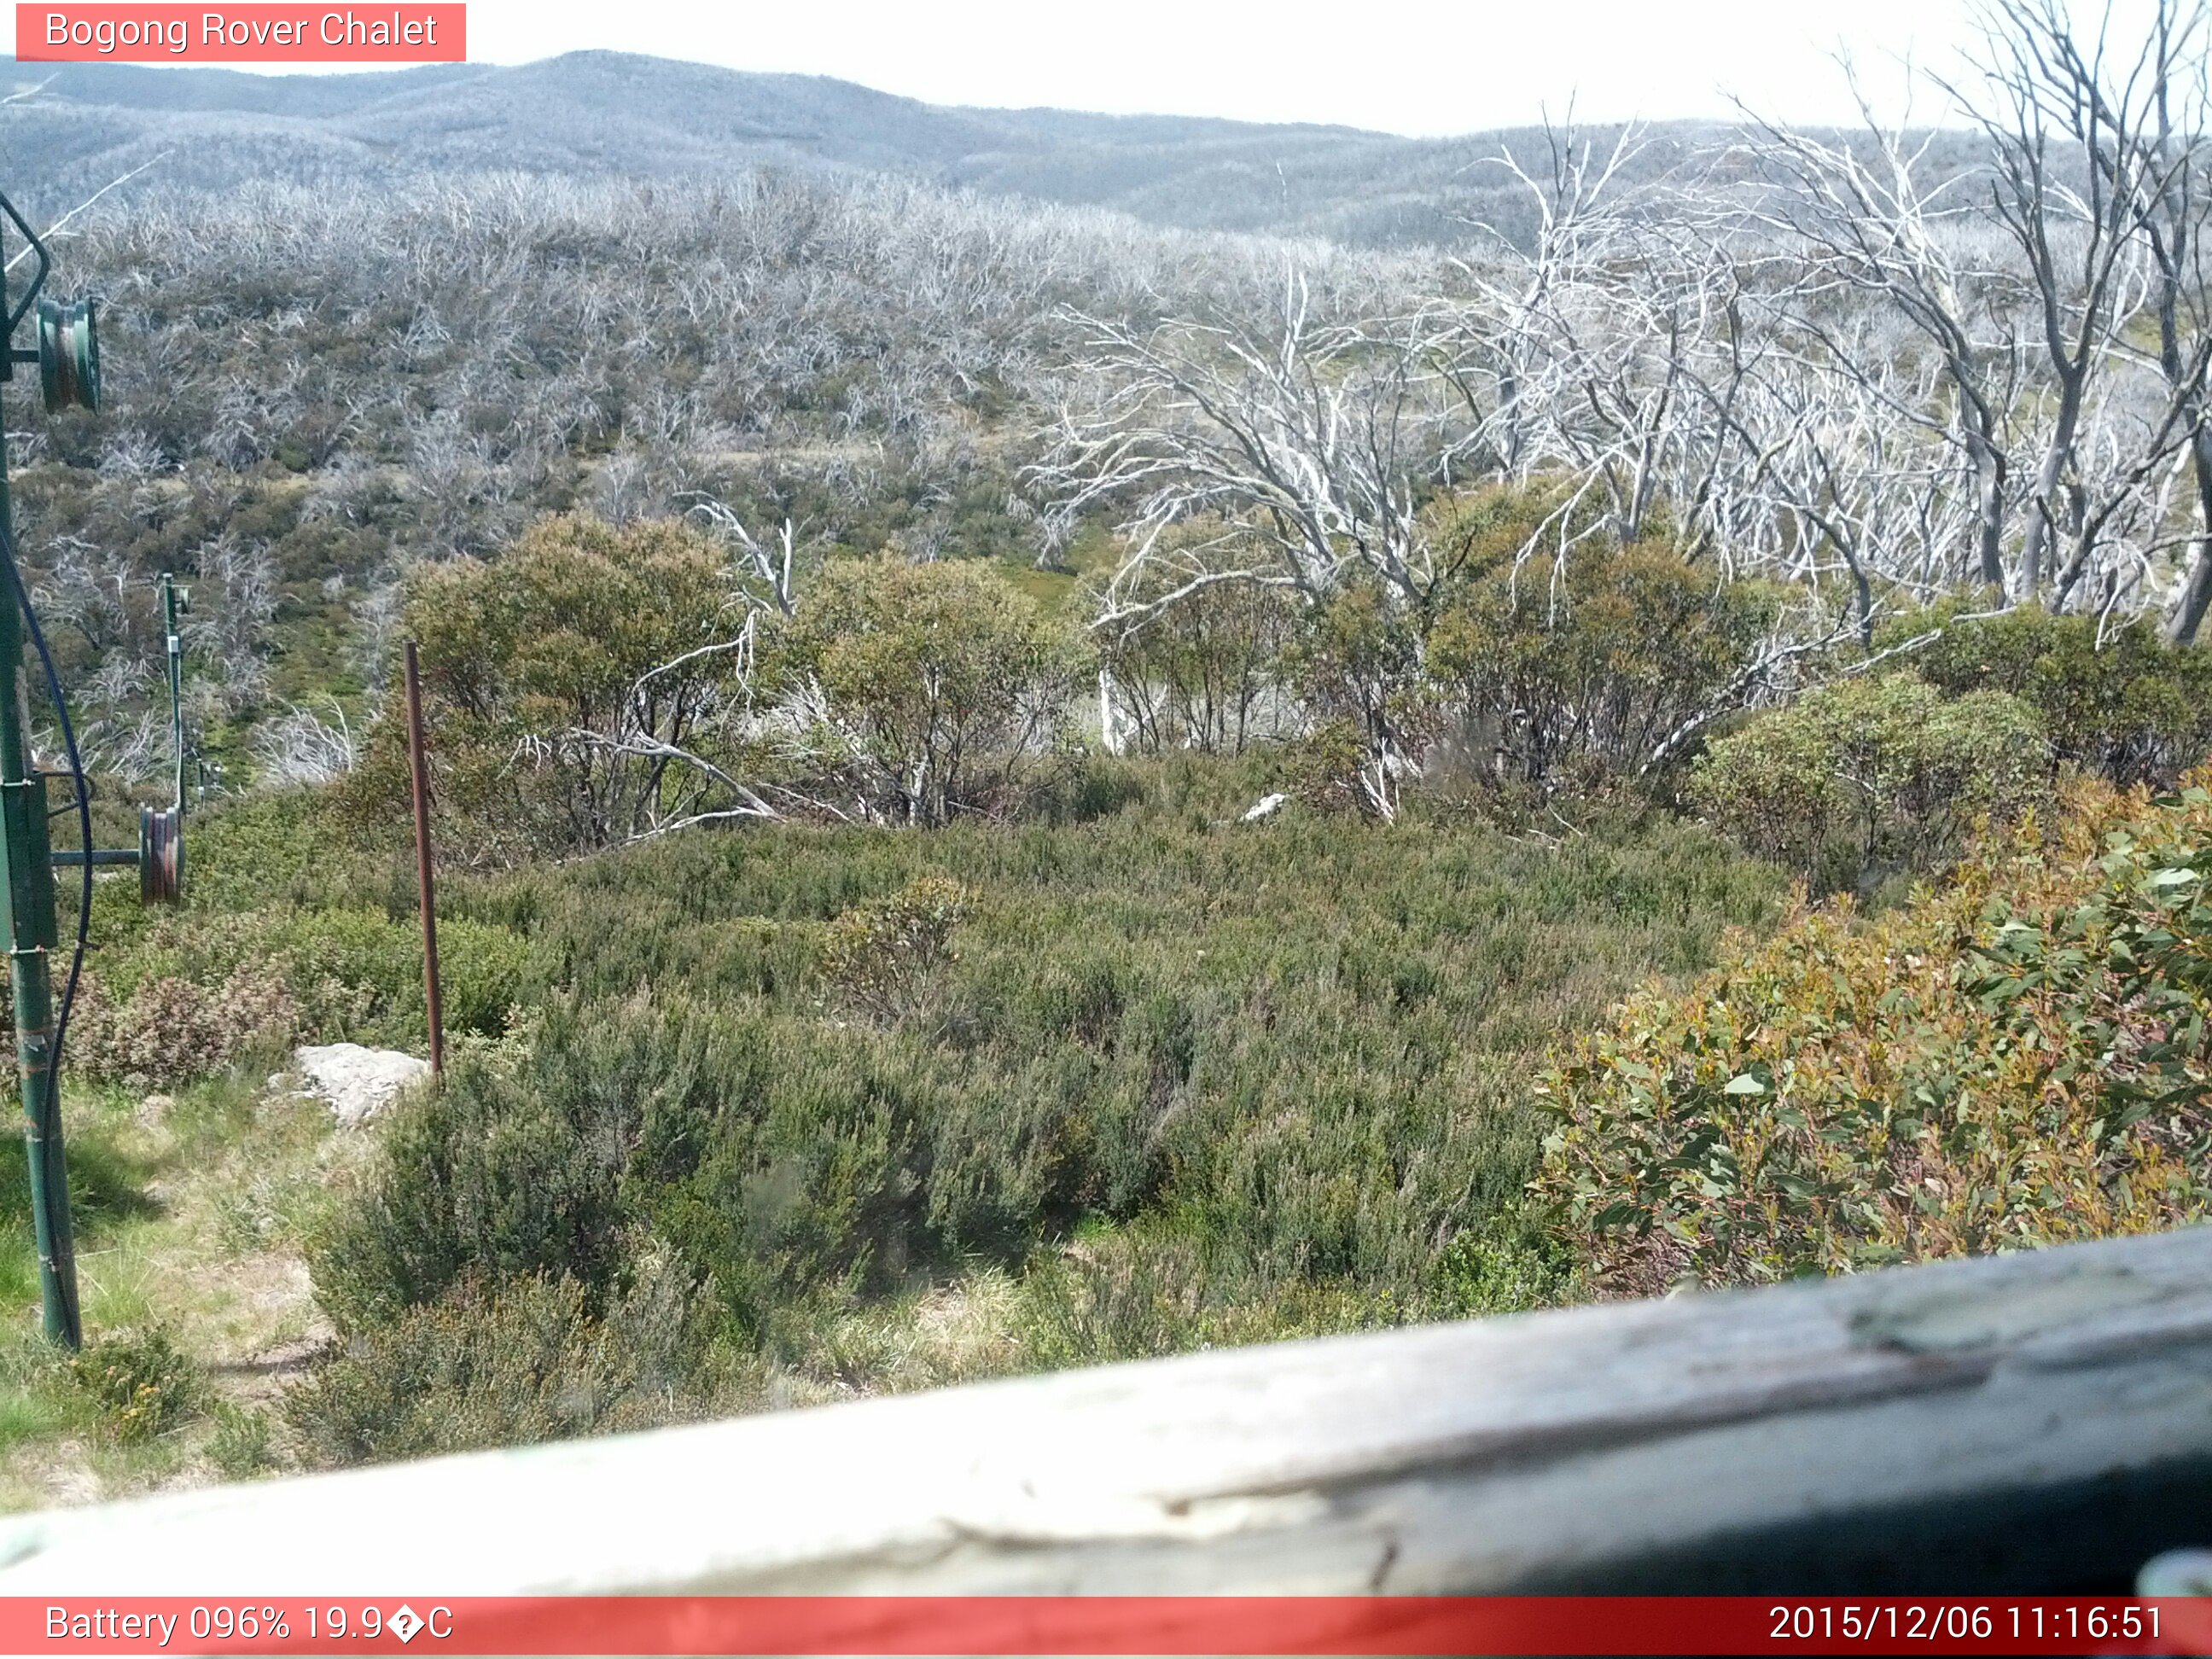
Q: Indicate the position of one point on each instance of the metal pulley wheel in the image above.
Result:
(161, 855)
(69, 355)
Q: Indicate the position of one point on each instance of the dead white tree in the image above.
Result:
(1576, 344)
(2072, 183)
(1312, 440)
(2138, 117)
(769, 569)
(2030, 277)
(1875, 227)
(301, 747)
(1508, 333)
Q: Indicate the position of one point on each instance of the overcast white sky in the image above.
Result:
(1410, 66)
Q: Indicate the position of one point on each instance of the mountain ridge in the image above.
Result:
(600, 113)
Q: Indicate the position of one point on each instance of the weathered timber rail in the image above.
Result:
(2040, 1421)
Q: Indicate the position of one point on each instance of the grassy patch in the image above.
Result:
(188, 1211)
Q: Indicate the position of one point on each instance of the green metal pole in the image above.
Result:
(29, 904)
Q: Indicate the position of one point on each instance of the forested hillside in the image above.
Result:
(313, 391)
(1038, 756)
(610, 115)
(600, 115)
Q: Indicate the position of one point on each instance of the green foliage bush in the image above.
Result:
(279, 849)
(1871, 775)
(779, 1162)
(1205, 671)
(1189, 1080)
(1356, 666)
(936, 682)
(1134, 1294)
(1507, 1266)
(142, 1381)
(504, 1176)
(350, 973)
(1589, 662)
(529, 665)
(244, 1443)
(171, 1031)
(1163, 1285)
(2017, 1057)
(528, 1360)
(189, 994)
(1329, 769)
(1518, 664)
(275, 947)
(888, 955)
(2115, 698)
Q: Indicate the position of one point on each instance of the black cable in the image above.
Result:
(22, 597)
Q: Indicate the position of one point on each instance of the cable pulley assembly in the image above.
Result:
(69, 355)
(161, 855)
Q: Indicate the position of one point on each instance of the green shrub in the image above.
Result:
(536, 658)
(244, 1442)
(171, 1031)
(140, 1381)
(778, 1160)
(1116, 1296)
(1595, 662)
(527, 1361)
(348, 973)
(2115, 699)
(889, 955)
(2017, 1057)
(1206, 1081)
(1868, 776)
(1356, 665)
(1161, 1287)
(1090, 787)
(1330, 766)
(1506, 1266)
(362, 972)
(938, 683)
(278, 849)
(485, 1175)
(1205, 671)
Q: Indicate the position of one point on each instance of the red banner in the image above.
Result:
(1105, 1625)
(259, 33)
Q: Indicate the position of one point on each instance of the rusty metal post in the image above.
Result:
(421, 770)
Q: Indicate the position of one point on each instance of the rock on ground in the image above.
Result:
(1265, 805)
(358, 1082)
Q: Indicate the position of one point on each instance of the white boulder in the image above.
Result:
(1265, 805)
(357, 1082)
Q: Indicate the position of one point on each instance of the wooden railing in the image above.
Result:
(2040, 1421)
